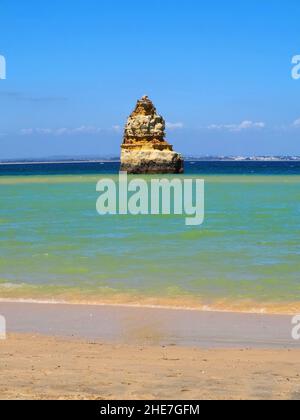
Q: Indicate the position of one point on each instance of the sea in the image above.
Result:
(245, 257)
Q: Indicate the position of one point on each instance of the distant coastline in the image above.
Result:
(55, 162)
(75, 160)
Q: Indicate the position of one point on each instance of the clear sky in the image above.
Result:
(218, 71)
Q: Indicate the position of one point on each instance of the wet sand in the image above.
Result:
(151, 326)
(95, 352)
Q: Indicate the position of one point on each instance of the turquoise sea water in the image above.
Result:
(54, 245)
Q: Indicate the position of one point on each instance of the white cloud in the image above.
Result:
(61, 131)
(244, 125)
(174, 126)
(297, 123)
(117, 128)
(26, 131)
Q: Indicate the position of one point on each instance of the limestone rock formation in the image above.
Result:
(145, 150)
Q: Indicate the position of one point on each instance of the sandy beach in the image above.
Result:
(149, 202)
(90, 352)
(39, 367)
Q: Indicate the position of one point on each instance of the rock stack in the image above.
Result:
(145, 150)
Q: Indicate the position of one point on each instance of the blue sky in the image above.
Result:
(219, 72)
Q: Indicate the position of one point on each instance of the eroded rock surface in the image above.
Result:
(145, 150)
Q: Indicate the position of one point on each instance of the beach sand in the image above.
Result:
(39, 367)
(89, 352)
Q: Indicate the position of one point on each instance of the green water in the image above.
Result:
(53, 244)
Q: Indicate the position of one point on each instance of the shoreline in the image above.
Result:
(151, 326)
(77, 352)
(250, 309)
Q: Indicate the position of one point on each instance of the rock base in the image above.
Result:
(151, 162)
